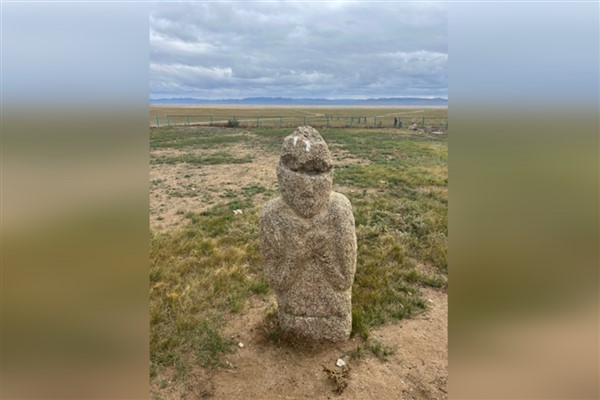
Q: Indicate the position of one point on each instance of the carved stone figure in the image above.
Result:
(308, 242)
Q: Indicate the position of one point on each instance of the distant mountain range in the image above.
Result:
(385, 101)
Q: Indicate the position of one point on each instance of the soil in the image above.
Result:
(176, 189)
(179, 188)
(267, 369)
(263, 369)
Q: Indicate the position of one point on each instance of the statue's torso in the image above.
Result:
(314, 239)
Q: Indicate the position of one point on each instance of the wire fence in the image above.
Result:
(422, 122)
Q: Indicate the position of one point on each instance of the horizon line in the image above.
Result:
(317, 98)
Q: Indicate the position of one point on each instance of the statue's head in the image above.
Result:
(305, 172)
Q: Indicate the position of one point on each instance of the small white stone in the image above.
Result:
(340, 363)
(240, 344)
(237, 212)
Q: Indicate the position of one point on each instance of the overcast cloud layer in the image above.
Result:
(321, 50)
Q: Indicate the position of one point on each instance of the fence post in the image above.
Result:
(168, 122)
(327, 116)
(374, 122)
(157, 121)
(257, 121)
(305, 120)
(280, 122)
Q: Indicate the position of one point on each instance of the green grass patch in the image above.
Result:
(195, 137)
(197, 275)
(210, 159)
(270, 139)
(374, 347)
(401, 220)
(384, 144)
(251, 190)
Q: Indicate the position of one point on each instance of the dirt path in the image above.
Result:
(312, 114)
(401, 113)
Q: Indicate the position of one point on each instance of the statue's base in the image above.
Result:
(333, 328)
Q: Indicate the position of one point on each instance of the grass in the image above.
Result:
(198, 275)
(375, 347)
(207, 269)
(294, 116)
(193, 159)
(226, 112)
(190, 138)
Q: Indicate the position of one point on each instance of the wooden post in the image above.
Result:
(157, 121)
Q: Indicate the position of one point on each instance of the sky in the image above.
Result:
(223, 50)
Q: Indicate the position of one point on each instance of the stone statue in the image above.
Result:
(308, 242)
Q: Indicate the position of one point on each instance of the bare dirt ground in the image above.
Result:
(261, 368)
(179, 188)
(264, 369)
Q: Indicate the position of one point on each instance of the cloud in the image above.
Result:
(325, 49)
(191, 74)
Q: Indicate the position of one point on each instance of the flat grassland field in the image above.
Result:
(214, 331)
(280, 116)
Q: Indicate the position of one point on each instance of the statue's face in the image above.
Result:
(306, 194)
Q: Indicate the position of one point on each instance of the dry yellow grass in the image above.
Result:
(269, 115)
